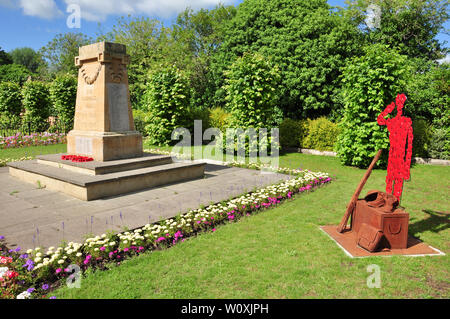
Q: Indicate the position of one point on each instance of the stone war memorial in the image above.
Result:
(104, 151)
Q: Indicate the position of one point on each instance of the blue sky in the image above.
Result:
(33, 23)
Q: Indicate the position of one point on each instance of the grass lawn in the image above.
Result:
(16, 153)
(282, 253)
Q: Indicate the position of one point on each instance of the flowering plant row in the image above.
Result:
(32, 273)
(35, 139)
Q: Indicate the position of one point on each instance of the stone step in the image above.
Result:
(90, 187)
(100, 168)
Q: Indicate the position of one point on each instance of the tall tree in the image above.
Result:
(5, 58)
(196, 38)
(306, 38)
(146, 41)
(27, 57)
(61, 51)
(410, 26)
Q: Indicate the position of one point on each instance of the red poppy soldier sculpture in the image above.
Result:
(400, 134)
(376, 220)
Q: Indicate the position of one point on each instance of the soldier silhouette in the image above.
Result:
(400, 132)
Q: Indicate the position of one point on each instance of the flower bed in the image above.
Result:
(34, 273)
(35, 139)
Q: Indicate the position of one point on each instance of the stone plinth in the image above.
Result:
(120, 177)
(103, 126)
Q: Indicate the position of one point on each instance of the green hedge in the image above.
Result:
(322, 135)
(10, 104)
(63, 94)
(36, 102)
(219, 118)
(166, 102)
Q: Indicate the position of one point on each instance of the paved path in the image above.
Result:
(31, 217)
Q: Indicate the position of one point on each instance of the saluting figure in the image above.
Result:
(400, 133)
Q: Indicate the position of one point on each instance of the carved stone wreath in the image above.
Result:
(90, 79)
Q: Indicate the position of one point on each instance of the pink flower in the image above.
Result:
(213, 229)
(125, 249)
(58, 270)
(102, 248)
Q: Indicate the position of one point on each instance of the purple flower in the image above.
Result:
(2, 237)
(30, 290)
(29, 264)
(53, 297)
(44, 286)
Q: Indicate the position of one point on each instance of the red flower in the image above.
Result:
(11, 274)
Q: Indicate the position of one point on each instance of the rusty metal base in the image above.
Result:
(347, 241)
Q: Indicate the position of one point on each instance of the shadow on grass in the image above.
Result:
(436, 222)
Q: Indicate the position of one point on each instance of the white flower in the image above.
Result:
(24, 295)
(38, 259)
(3, 270)
(79, 254)
(61, 261)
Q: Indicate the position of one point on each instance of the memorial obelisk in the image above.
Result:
(103, 126)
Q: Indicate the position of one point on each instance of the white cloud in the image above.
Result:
(444, 60)
(46, 9)
(99, 10)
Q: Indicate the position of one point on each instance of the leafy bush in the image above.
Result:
(370, 83)
(219, 118)
(14, 73)
(428, 92)
(139, 117)
(440, 143)
(422, 135)
(197, 113)
(290, 132)
(251, 96)
(10, 104)
(322, 135)
(36, 102)
(251, 92)
(166, 102)
(63, 94)
(304, 131)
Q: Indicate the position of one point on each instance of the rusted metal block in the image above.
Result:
(376, 213)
